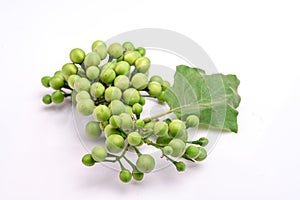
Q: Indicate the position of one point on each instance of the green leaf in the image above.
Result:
(213, 98)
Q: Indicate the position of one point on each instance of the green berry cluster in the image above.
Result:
(114, 93)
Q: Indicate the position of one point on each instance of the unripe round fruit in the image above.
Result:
(203, 141)
(56, 82)
(101, 113)
(125, 176)
(116, 107)
(160, 129)
(87, 160)
(192, 121)
(101, 51)
(163, 140)
(165, 85)
(96, 43)
(99, 153)
(115, 121)
(202, 154)
(154, 88)
(137, 108)
(91, 59)
(141, 50)
(97, 90)
(114, 143)
(57, 97)
(157, 79)
(192, 152)
(128, 46)
(127, 122)
(139, 81)
(85, 107)
(145, 163)
(68, 70)
(131, 56)
(139, 123)
(47, 99)
(180, 166)
(176, 128)
(137, 175)
(131, 96)
(112, 93)
(82, 84)
(110, 130)
(122, 68)
(82, 95)
(92, 130)
(167, 150)
(92, 72)
(178, 147)
(77, 55)
(115, 50)
(122, 82)
(142, 101)
(108, 76)
(142, 64)
(58, 73)
(46, 81)
(72, 79)
(134, 139)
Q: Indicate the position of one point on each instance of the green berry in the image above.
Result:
(122, 82)
(180, 166)
(115, 121)
(154, 88)
(92, 72)
(47, 99)
(110, 130)
(178, 147)
(82, 84)
(96, 43)
(145, 163)
(125, 176)
(57, 82)
(134, 139)
(99, 153)
(192, 121)
(203, 141)
(77, 55)
(164, 140)
(88, 160)
(92, 130)
(128, 46)
(82, 95)
(142, 64)
(160, 129)
(101, 113)
(97, 90)
(141, 50)
(142, 101)
(165, 85)
(157, 79)
(101, 51)
(57, 97)
(71, 80)
(114, 143)
(108, 76)
(122, 68)
(127, 122)
(139, 81)
(176, 128)
(139, 123)
(131, 56)
(192, 152)
(92, 59)
(202, 154)
(131, 96)
(85, 107)
(112, 93)
(167, 150)
(137, 108)
(137, 175)
(115, 50)
(46, 81)
(116, 107)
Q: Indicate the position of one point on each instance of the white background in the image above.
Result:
(257, 40)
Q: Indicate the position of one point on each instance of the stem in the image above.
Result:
(110, 58)
(137, 151)
(147, 95)
(129, 162)
(149, 142)
(148, 119)
(121, 165)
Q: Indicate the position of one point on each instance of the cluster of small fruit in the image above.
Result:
(114, 93)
